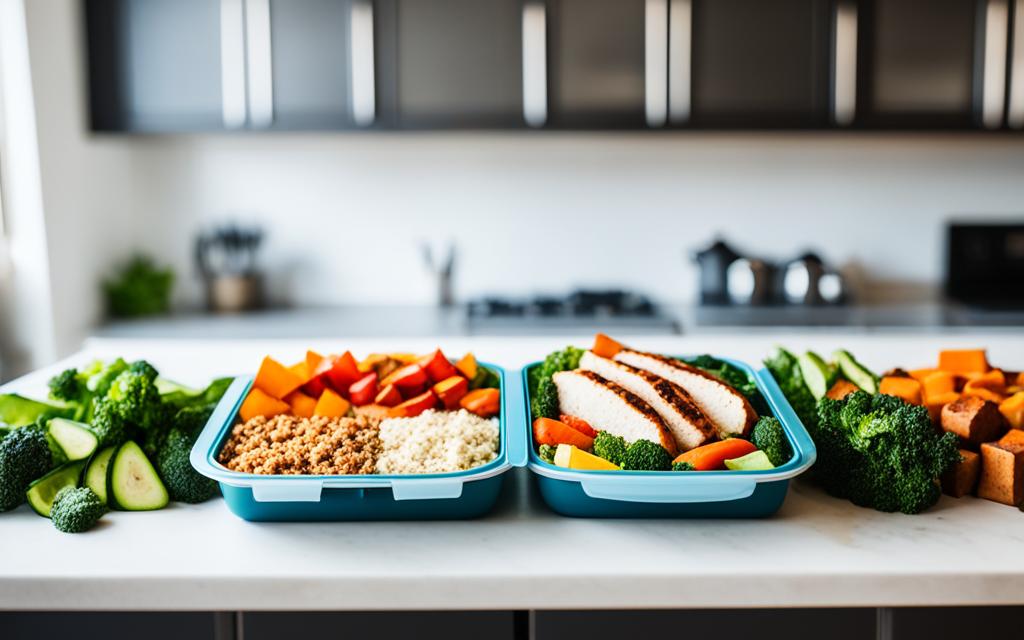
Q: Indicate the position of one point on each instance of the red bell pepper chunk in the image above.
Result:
(364, 390)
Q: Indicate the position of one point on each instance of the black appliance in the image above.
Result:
(985, 264)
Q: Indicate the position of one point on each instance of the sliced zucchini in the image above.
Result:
(855, 372)
(132, 482)
(41, 493)
(75, 439)
(817, 374)
(96, 472)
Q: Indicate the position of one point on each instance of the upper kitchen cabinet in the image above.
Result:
(932, 63)
(155, 65)
(596, 71)
(451, 63)
(750, 63)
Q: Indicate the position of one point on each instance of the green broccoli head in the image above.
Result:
(881, 452)
(768, 436)
(136, 398)
(107, 423)
(68, 386)
(547, 399)
(610, 447)
(100, 376)
(785, 369)
(644, 455)
(682, 466)
(24, 456)
(183, 482)
(76, 509)
(543, 393)
(546, 453)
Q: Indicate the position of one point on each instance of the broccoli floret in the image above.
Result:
(136, 398)
(644, 455)
(880, 452)
(768, 436)
(546, 453)
(100, 376)
(68, 386)
(184, 483)
(682, 466)
(786, 371)
(547, 399)
(24, 456)
(76, 509)
(107, 423)
(610, 447)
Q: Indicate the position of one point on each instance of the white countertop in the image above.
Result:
(818, 551)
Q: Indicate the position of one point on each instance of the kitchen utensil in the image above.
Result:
(714, 263)
(749, 281)
(801, 278)
(226, 258)
(440, 261)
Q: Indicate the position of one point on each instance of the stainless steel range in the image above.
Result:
(581, 311)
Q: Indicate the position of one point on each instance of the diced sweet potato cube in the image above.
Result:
(963, 361)
(936, 402)
(1012, 438)
(302, 406)
(259, 403)
(921, 374)
(331, 405)
(983, 393)
(841, 389)
(994, 380)
(974, 420)
(605, 346)
(1002, 472)
(906, 388)
(962, 477)
(277, 380)
(938, 382)
(1013, 410)
(467, 366)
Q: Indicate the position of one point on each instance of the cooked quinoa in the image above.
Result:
(437, 442)
(303, 446)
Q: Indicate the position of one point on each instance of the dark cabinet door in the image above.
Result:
(310, 65)
(596, 63)
(922, 63)
(451, 63)
(756, 63)
(156, 65)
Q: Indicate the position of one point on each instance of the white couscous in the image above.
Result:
(437, 442)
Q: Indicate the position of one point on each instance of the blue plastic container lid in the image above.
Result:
(513, 452)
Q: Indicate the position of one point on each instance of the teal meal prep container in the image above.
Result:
(678, 494)
(442, 496)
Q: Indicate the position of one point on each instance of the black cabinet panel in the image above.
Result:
(109, 626)
(596, 67)
(759, 63)
(311, 62)
(455, 63)
(918, 62)
(155, 65)
(381, 626)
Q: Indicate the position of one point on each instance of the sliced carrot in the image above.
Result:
(908, 389)
(963, 361)
(485, 403)
(579, 424)
(259, 403)
(553, 433)
(841, 389)
(605, 346)
(713, 456)
(277, 380)
(331, 405)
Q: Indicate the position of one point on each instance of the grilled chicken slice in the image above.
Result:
(729, 410)
(689, 426)
(609, 407)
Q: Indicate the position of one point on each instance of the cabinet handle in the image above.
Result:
(364, 89)
(993, 88)
(232, 63)
(680, 60)
(260, 63)
(1015, 117)
(656, 62)
(535, 64)
(844, 71)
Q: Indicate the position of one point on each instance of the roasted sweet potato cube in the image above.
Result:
(1002, 471)
(974, 420)
(841, 389)
(1013, 410)
(962, 478)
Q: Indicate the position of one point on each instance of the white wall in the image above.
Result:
(534, 212)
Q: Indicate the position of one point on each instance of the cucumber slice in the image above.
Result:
(96, 472)
(816, 372)
(76, 439)
(41, 493)
(756, 461)
(855, 372)
(132, 482)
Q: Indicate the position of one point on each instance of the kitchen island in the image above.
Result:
(817, 552)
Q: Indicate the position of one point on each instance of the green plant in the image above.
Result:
(140, 288)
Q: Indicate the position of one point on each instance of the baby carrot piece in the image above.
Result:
(485, 403)
(713, 456)
(579, 424)
(554, 433)
(605, 346)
